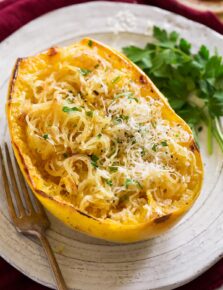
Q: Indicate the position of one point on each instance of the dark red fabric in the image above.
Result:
(14, 14)
(205, 17)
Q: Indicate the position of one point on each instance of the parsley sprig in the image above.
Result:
(186, 79)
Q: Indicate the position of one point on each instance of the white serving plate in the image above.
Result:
(165, 262)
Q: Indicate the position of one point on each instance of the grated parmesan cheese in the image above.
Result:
(110, 151)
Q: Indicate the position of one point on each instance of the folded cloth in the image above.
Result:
(16, 13)
(206, 17)
(9, 277)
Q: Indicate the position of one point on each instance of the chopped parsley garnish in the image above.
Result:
(84, 71)
(139, 184)
(135, 99)
(45, 136)
(89, 113)
(70, 100)
(115, 80)
(128, 182)
(69, 110)
(121, 118)
(65, 155)
(99, 136)
(125, 94)
(90, 43)
(94, 164)
(143, 152)
(164, 143)
(108, 181)
(94, 159)
(153, 125)
(154, 147)
(118, 120)
(113, 168)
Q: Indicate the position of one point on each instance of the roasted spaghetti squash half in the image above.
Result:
(98, 143)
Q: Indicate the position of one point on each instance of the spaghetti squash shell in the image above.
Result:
(65, 211)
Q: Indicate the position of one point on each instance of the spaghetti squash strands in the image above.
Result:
(98, 143)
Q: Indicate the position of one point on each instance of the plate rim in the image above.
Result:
(96, 3)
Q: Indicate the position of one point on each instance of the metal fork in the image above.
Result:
(35, 222)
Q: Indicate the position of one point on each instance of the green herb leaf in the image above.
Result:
(90, 43)
(174, 36)
(116, 79)
(99, 136)
(135, 99)
(124, 117)
(160, 34)
(94, 164)
(128, 182)
(89, 113)
(179, 74)
(45, 136)
(154, 147)
(139, 184)
(164, 143)
(70, 100)
(216, 104)
(125, 94)
(108, 181)
(113, 168)
(94, 159)
(185, 46)
(135, 54)
(121, 118)
(143, 152)
(204, 52)
(84, 71)
(66, 109)
(165, 39)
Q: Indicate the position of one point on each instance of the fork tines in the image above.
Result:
(17, 207)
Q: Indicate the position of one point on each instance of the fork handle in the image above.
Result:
(53, 263)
